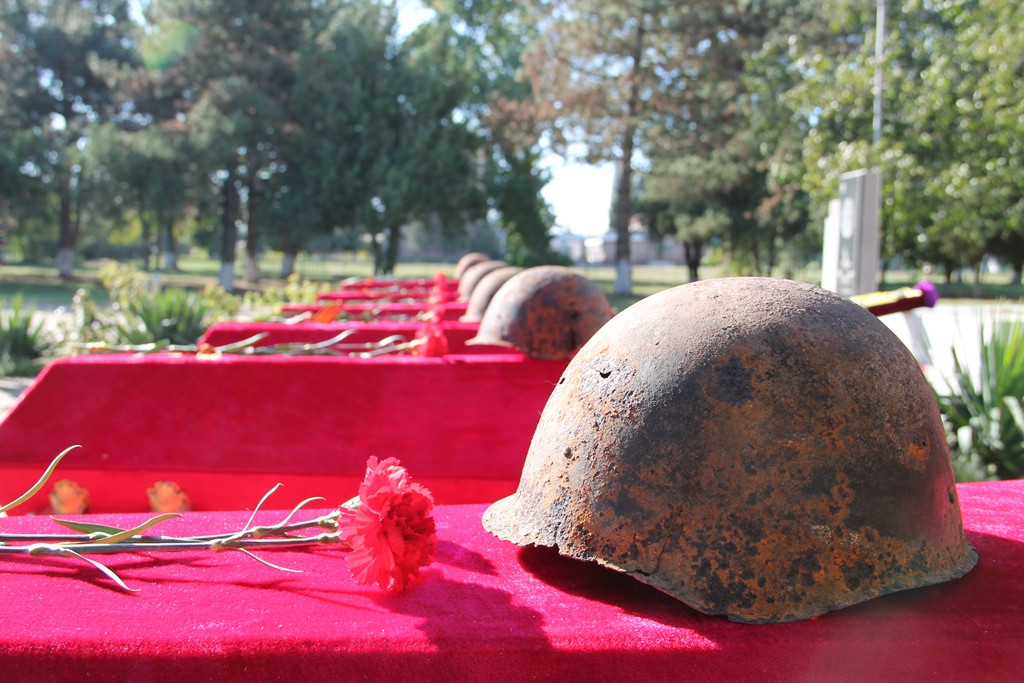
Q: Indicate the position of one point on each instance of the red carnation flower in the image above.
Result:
(435, 343)
(391, 533)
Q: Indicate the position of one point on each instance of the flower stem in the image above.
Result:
(164, 544)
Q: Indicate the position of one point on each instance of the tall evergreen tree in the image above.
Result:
(240, 68)
(53, 93)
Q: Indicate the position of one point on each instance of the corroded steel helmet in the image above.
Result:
(474, 274)
(470, 259)
(484, 291)
(546, 312)
(757, 448)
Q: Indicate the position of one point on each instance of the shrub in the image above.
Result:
(172, 315)
(983, 411)
(22, 342)
(267, 303)
(142, 316)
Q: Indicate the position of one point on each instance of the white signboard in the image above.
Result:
(850, 251)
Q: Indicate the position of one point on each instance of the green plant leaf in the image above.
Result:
(128, 533)
(39, 484)
(102, 567)
(87, 527)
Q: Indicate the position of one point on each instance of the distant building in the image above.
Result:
(600, 249)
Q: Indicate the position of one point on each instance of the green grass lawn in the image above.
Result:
(42, 289)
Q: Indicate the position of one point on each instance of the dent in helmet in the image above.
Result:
(757, 448)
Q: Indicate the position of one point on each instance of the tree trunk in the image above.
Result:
(288, 264)
(692, 252)
(229, 217)
(68, 239)
(377, 258)
(623, 194)
(290, 246)
(623, 209)
(65, 262)
(252, 265)
(147, 243)
(252, 238)
(170, 246)
(394, 234)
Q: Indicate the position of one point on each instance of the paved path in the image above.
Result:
(10, 389)
(932, 333)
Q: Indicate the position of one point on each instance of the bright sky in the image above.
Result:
(580, 196)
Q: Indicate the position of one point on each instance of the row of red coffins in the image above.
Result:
(449, 310)
(439, 282)
(439, 289)
(227, 427)
(351, 336)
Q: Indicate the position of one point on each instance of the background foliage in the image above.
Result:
(155, 125)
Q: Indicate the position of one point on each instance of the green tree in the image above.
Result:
(145, 174)
(489, 39)
(710, 174)
(618, 78)
(593, 71)
(239, 72)
(54, 92)
(948, 152)
(377, 121)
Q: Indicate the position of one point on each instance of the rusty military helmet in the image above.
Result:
(470, 259)
(755, 447)
(474, 274)
(546, 312)
(485, 290)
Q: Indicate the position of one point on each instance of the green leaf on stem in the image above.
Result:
(88, 527)
(266, 562)
(39, 484)
(297, 508)
(260, 504)
(124, 534)
(62, 551)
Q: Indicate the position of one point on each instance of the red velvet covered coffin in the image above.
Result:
(228, 429)
(309, 332)
(439, 283)
(448, 310)
(486, 610)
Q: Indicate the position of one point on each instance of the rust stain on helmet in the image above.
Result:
(546, 312)
(485, 290)
(467, 260)
(757, 448)
(474, 274)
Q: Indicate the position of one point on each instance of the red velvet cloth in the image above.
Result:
(487, 610)
(226, 430)
(451, 310)
(447, 285)
(344, 295)
(307, 332)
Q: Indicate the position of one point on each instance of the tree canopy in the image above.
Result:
(271, 124)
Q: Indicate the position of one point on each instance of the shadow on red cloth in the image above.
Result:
(910, 632)
(455, 555)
